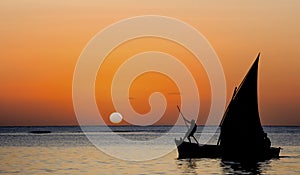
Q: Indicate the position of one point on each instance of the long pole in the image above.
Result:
(182, 117)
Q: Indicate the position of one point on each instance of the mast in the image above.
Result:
(225, 113)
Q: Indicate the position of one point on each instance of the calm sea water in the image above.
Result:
(66, 150)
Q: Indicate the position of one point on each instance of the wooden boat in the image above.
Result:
(241, 137)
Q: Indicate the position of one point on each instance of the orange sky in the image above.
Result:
(42, 40)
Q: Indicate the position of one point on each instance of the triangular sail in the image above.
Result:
(241, 129)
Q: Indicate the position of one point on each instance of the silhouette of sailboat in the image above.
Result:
(242, 137)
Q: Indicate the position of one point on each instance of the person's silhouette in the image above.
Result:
(267, 142)
(192, 129)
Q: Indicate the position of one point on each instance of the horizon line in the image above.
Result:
(125, 125)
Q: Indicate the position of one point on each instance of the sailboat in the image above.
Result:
(242, 137)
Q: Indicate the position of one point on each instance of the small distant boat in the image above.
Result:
(241, 137)
(40, 132)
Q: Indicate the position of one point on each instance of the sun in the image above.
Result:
(115, 117)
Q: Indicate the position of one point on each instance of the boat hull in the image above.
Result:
(192, 150)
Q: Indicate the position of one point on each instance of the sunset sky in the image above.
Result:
(41, 41)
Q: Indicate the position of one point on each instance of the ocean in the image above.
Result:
(67, 150)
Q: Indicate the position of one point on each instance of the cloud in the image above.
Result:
(174, 93)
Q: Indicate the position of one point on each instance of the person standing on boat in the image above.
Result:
(192, 129)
